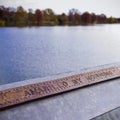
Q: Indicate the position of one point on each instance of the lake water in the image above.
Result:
(27, 53)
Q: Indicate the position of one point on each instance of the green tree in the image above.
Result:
(77, 18)
(2, 20)
(21, 16)
(112, 20)
(62, 19)
(49, 17)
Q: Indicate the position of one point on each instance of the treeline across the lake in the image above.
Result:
(20, 17)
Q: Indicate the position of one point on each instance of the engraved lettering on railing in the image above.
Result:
(99, 75)
(37, 89)
(63, 84)
(77, 81)
(54, 87)
(29, 92)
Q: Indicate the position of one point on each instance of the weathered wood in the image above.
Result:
(30, 92)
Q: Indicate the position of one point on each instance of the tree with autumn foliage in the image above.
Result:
(86, 18)
(38, 17)
(20, 17)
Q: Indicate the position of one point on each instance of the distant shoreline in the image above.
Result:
(11, 17)
(60, 25)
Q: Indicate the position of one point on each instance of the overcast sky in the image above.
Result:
(108, 7)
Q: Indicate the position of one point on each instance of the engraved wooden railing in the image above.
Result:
(30, 92)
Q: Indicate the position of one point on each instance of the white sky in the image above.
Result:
(108, 7)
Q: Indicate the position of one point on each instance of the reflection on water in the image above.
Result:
(27, 53)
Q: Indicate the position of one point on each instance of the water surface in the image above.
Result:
(27, 53)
